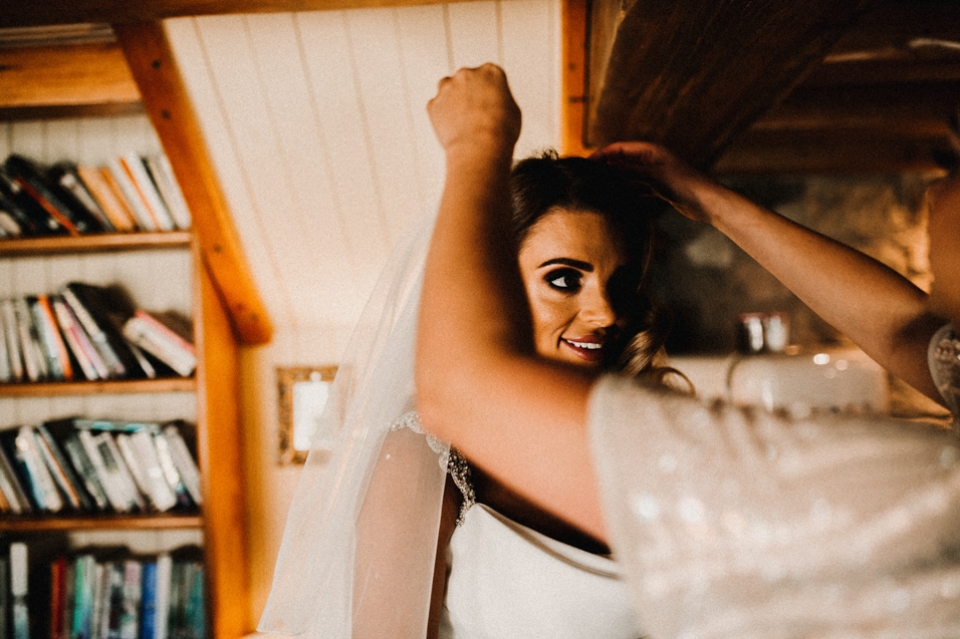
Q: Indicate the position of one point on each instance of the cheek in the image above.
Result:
(549, 319)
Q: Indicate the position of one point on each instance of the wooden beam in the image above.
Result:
(17, 13)
(84, 79)
(827, 151)
(573, 110)
(166, 101)
(694, 75)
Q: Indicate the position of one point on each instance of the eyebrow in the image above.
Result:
(566, 261)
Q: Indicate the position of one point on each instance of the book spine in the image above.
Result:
(86, 471)
(118, 468)
(50, 321)
(58, 468)
(42, 483)
(132, 598)
(33, 358)
(90, 363)
(107, 197)
(148, 605)
(96, 334)
(163, 177)
(70, 181)
(6, 372)
(130, 195)
(185, 463)
(16, 484)
(48, 339)
(19, 585)
(147, 190)
(12, 337)
(51, 209)
(108, 480)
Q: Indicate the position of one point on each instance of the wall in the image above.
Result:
(706, 280)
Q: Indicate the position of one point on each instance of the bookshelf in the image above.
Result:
(200, 273)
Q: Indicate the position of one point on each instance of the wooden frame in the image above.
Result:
(296, 430)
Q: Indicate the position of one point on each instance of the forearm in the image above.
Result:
(876, 307)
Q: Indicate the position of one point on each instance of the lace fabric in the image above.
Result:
(944, 360)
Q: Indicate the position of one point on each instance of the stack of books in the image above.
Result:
(89, 466)
(90, 332)
(103, 593)
(129, 193)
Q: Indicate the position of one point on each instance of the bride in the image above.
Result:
(729, 522)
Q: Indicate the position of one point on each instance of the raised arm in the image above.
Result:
(520, 419)
(880, 310)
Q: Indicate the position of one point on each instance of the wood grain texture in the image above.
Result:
(165, 99)
(84, 78)
(220, 458)
(694, 75)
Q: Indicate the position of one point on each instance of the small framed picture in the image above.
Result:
(303, 392)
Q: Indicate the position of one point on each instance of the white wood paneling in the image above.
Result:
(317, 125)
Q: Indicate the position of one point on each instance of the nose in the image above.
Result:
(597, 308)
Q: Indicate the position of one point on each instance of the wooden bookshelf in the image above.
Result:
(93, 243)
(226, 310)
(29, 523)
(46, 389)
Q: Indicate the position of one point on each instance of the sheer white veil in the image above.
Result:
(357, 554)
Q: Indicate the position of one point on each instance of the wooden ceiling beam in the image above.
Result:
(767, 152)
(694, 75)
(166, 101)
(17, 13)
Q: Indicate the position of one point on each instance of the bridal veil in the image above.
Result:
(357, 555)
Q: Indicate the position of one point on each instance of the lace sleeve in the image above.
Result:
(459, 470)
(944, 360)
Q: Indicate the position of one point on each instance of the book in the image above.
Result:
(148, 600)
(101, 311)
(170, 472)
(19, 588)
(58, 596)
(31, 217)
(11, 335)
(140, 453)
(44, 487)
(125, 184)
(108, 475)
(9, 227)
(129, 622)
(29, 177)
(108, 197)
(86, 471)
(184, 458)
(79, 342)
(34, 361)
(85, 585)
(63, 471)
(162, 599)
(147, 190)
(5, 632)
(113, 457)
(11, 482)
(158, 339)
(6, 373)
(111, 600)
(162, 173)
(65, 175)
(51, 343)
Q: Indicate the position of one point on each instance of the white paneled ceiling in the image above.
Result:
(317, 127)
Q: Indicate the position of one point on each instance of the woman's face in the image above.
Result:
(572, 263)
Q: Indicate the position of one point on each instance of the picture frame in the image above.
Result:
(302, 392)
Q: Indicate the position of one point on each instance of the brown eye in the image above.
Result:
(566, 280)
